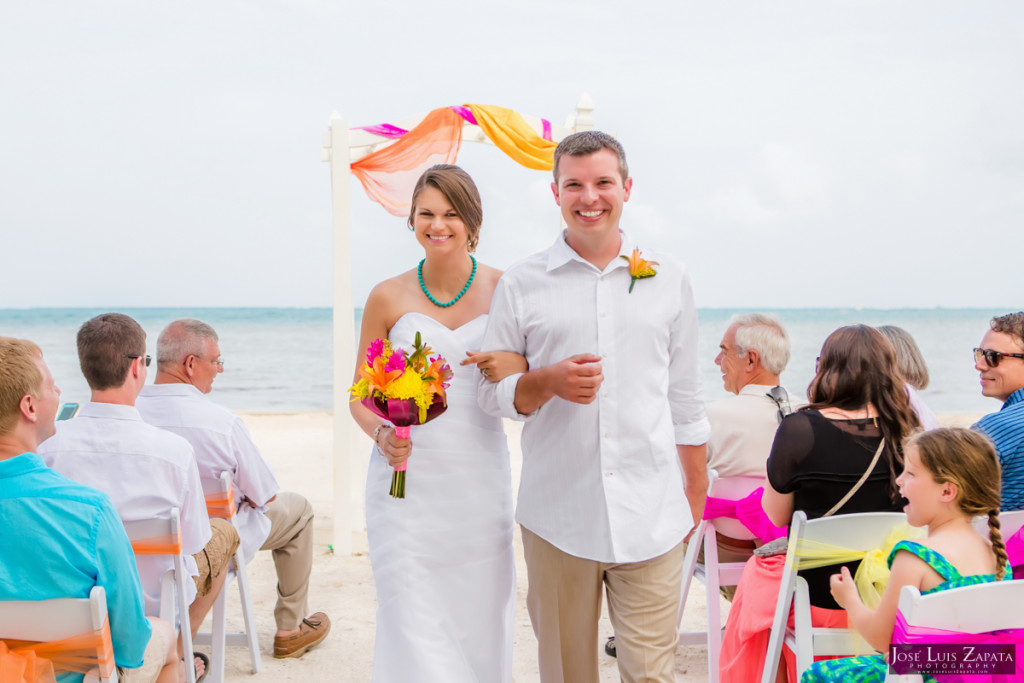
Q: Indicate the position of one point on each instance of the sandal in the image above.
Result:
(609, 647)
(206, 667)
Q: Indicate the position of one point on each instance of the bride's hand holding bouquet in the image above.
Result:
(405, 389)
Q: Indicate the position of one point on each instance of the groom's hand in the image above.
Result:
(577, 378)
(574, 379)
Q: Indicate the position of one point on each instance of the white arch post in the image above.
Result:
(342, 146)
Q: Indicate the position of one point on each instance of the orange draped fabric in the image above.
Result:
(157, 545)
(219, 505)
(28, 662)
(510, 132)
(389, 175)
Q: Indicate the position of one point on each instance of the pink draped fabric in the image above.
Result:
(905, 634)
(748, 512)
(745, 643)
(385, 130)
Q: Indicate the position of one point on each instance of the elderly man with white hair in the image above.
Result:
(752, 354)
(188, 362)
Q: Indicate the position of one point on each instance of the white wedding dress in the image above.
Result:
(442, 558)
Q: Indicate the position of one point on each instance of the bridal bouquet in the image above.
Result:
(404, 389)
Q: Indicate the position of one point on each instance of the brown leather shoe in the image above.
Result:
(312, 630)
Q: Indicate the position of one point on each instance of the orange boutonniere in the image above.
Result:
(639, 268)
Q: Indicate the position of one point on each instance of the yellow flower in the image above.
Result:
(639, 268)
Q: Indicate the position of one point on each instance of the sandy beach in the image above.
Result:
(299, 448)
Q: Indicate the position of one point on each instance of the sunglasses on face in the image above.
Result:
(993, 358)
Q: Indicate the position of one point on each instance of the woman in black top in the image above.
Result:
(820, 452)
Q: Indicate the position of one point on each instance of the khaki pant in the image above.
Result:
(291, 540)
(214, 558)
(564, 601)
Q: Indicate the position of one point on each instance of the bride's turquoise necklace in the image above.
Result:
(419, 273)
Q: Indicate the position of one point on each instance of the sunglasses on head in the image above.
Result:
(993, 358)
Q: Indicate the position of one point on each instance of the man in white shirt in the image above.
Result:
(188, 361)
(613, 405)
(752, 354)
(145, 471)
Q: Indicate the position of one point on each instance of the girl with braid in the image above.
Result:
(950, 476)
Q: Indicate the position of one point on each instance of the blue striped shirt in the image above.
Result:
(1006, 429)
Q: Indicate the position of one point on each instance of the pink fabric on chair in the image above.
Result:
(748, 512)
(745, 643)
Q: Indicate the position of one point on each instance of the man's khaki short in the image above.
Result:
(212, 559)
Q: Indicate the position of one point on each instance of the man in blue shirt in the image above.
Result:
(1000, 360)
(61, 538)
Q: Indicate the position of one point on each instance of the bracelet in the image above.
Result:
(376, 443)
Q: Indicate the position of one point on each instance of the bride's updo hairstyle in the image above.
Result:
(460, 191)
(967, 459)
(857, 366)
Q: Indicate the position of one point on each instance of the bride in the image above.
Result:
(442, 557)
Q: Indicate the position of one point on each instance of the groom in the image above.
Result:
(613, 407)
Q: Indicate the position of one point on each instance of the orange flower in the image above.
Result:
(639, 268)
(436, 376)
(377, 376)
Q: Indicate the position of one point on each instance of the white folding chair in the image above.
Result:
(862, 531)
(220, 503)
(164, 533)
(48, 621)
(971, 609)
(711, 572)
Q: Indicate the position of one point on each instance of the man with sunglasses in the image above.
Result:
(145, 471)
(1000, 361)
(188, 361)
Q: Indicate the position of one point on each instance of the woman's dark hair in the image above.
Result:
(857, 366)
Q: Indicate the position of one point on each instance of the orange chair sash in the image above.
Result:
(33, 662)
(158, 545)
(221, 504)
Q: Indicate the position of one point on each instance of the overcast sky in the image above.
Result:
(811, 153)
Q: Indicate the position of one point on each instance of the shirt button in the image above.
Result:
(603, 314)
(607, 474)
(605, 394)
(607, 435)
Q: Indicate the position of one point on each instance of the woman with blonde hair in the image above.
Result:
(914, 370)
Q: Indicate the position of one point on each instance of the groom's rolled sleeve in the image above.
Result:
(503, 334)
(685, 389)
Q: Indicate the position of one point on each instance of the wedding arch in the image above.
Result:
(387, 159)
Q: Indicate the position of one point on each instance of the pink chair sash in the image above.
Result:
(905, 634)
(1015, 548)
(748, 512)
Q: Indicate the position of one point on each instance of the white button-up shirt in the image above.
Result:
(602, 481)
(145, 471)
(221, 442)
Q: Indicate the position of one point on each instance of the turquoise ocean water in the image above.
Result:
(280, 359)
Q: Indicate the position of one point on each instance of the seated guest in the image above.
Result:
(1000, 360)
(914, 370)
(951, 476)
(856, 422)
(60, 539)
(753, 353)
(145, 471)
(188, 361)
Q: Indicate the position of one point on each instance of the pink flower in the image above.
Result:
(397, 360)
(376, 348)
